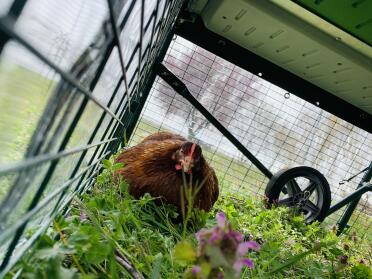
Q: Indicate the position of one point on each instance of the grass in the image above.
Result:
(23, 98)
(107, 234)
(23, 95)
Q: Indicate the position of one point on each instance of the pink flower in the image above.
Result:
(238, 265)
(83, 215)
(230, 242)
(245, 246)
(216, 236)
(195, 270)
(203, 233)
(221, 220)
(235, 235)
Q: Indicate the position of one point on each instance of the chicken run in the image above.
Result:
(232, 98)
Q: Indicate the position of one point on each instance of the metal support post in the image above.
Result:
(342, 223)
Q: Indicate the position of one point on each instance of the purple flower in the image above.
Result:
(83, 215)
(235, 235)
(221, 220)
(202, 234)
(216, 236)
(195, 270)
(228, 241)
(245, 246)
(238, 265)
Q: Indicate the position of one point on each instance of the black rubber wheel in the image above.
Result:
(301, 187)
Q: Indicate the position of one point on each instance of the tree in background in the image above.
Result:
(219, 85)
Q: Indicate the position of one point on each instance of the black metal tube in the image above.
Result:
(118, 45)
(355, 195)
(14, 12)
(181, 89)
(36, 161)
(342, 223)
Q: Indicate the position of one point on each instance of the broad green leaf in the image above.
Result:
(117, 166)
(155, 273)
(185, 252)
(98, 252)
(123, 187)
(52, 252)
(336, 251)
(205, 269)
(107, 164)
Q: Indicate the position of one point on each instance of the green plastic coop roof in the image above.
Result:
(354, 17)
(326, 42)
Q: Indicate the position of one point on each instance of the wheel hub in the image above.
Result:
(301, 198)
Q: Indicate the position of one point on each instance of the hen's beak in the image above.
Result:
(187, 164)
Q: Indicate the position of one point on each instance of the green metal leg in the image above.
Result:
(342, 223)
(355, 195)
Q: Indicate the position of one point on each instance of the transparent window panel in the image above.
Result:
(91, 117)
(61, 30)
(85, 126)
(24, 92)
(108, 81)
(63, 179)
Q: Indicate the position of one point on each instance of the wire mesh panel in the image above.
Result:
(279, 128)
(73, 79)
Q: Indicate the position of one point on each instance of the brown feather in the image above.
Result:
(149, 168)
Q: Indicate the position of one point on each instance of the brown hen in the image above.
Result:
(156, 164)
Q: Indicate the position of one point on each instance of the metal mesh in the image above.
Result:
(73, 77)
(279, 128)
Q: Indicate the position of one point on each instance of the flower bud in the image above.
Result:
(343, 259)
(346, 247)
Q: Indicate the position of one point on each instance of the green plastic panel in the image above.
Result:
(353, 16)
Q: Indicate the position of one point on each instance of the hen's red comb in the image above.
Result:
(192, 150)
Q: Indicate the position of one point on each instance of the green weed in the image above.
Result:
(108, 234)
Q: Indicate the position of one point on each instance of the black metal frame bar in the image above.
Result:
(37, 161)
(118, 46)
(122, 120)
(181, 89)
(352, 200)
(193, 29)
(14, 12)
